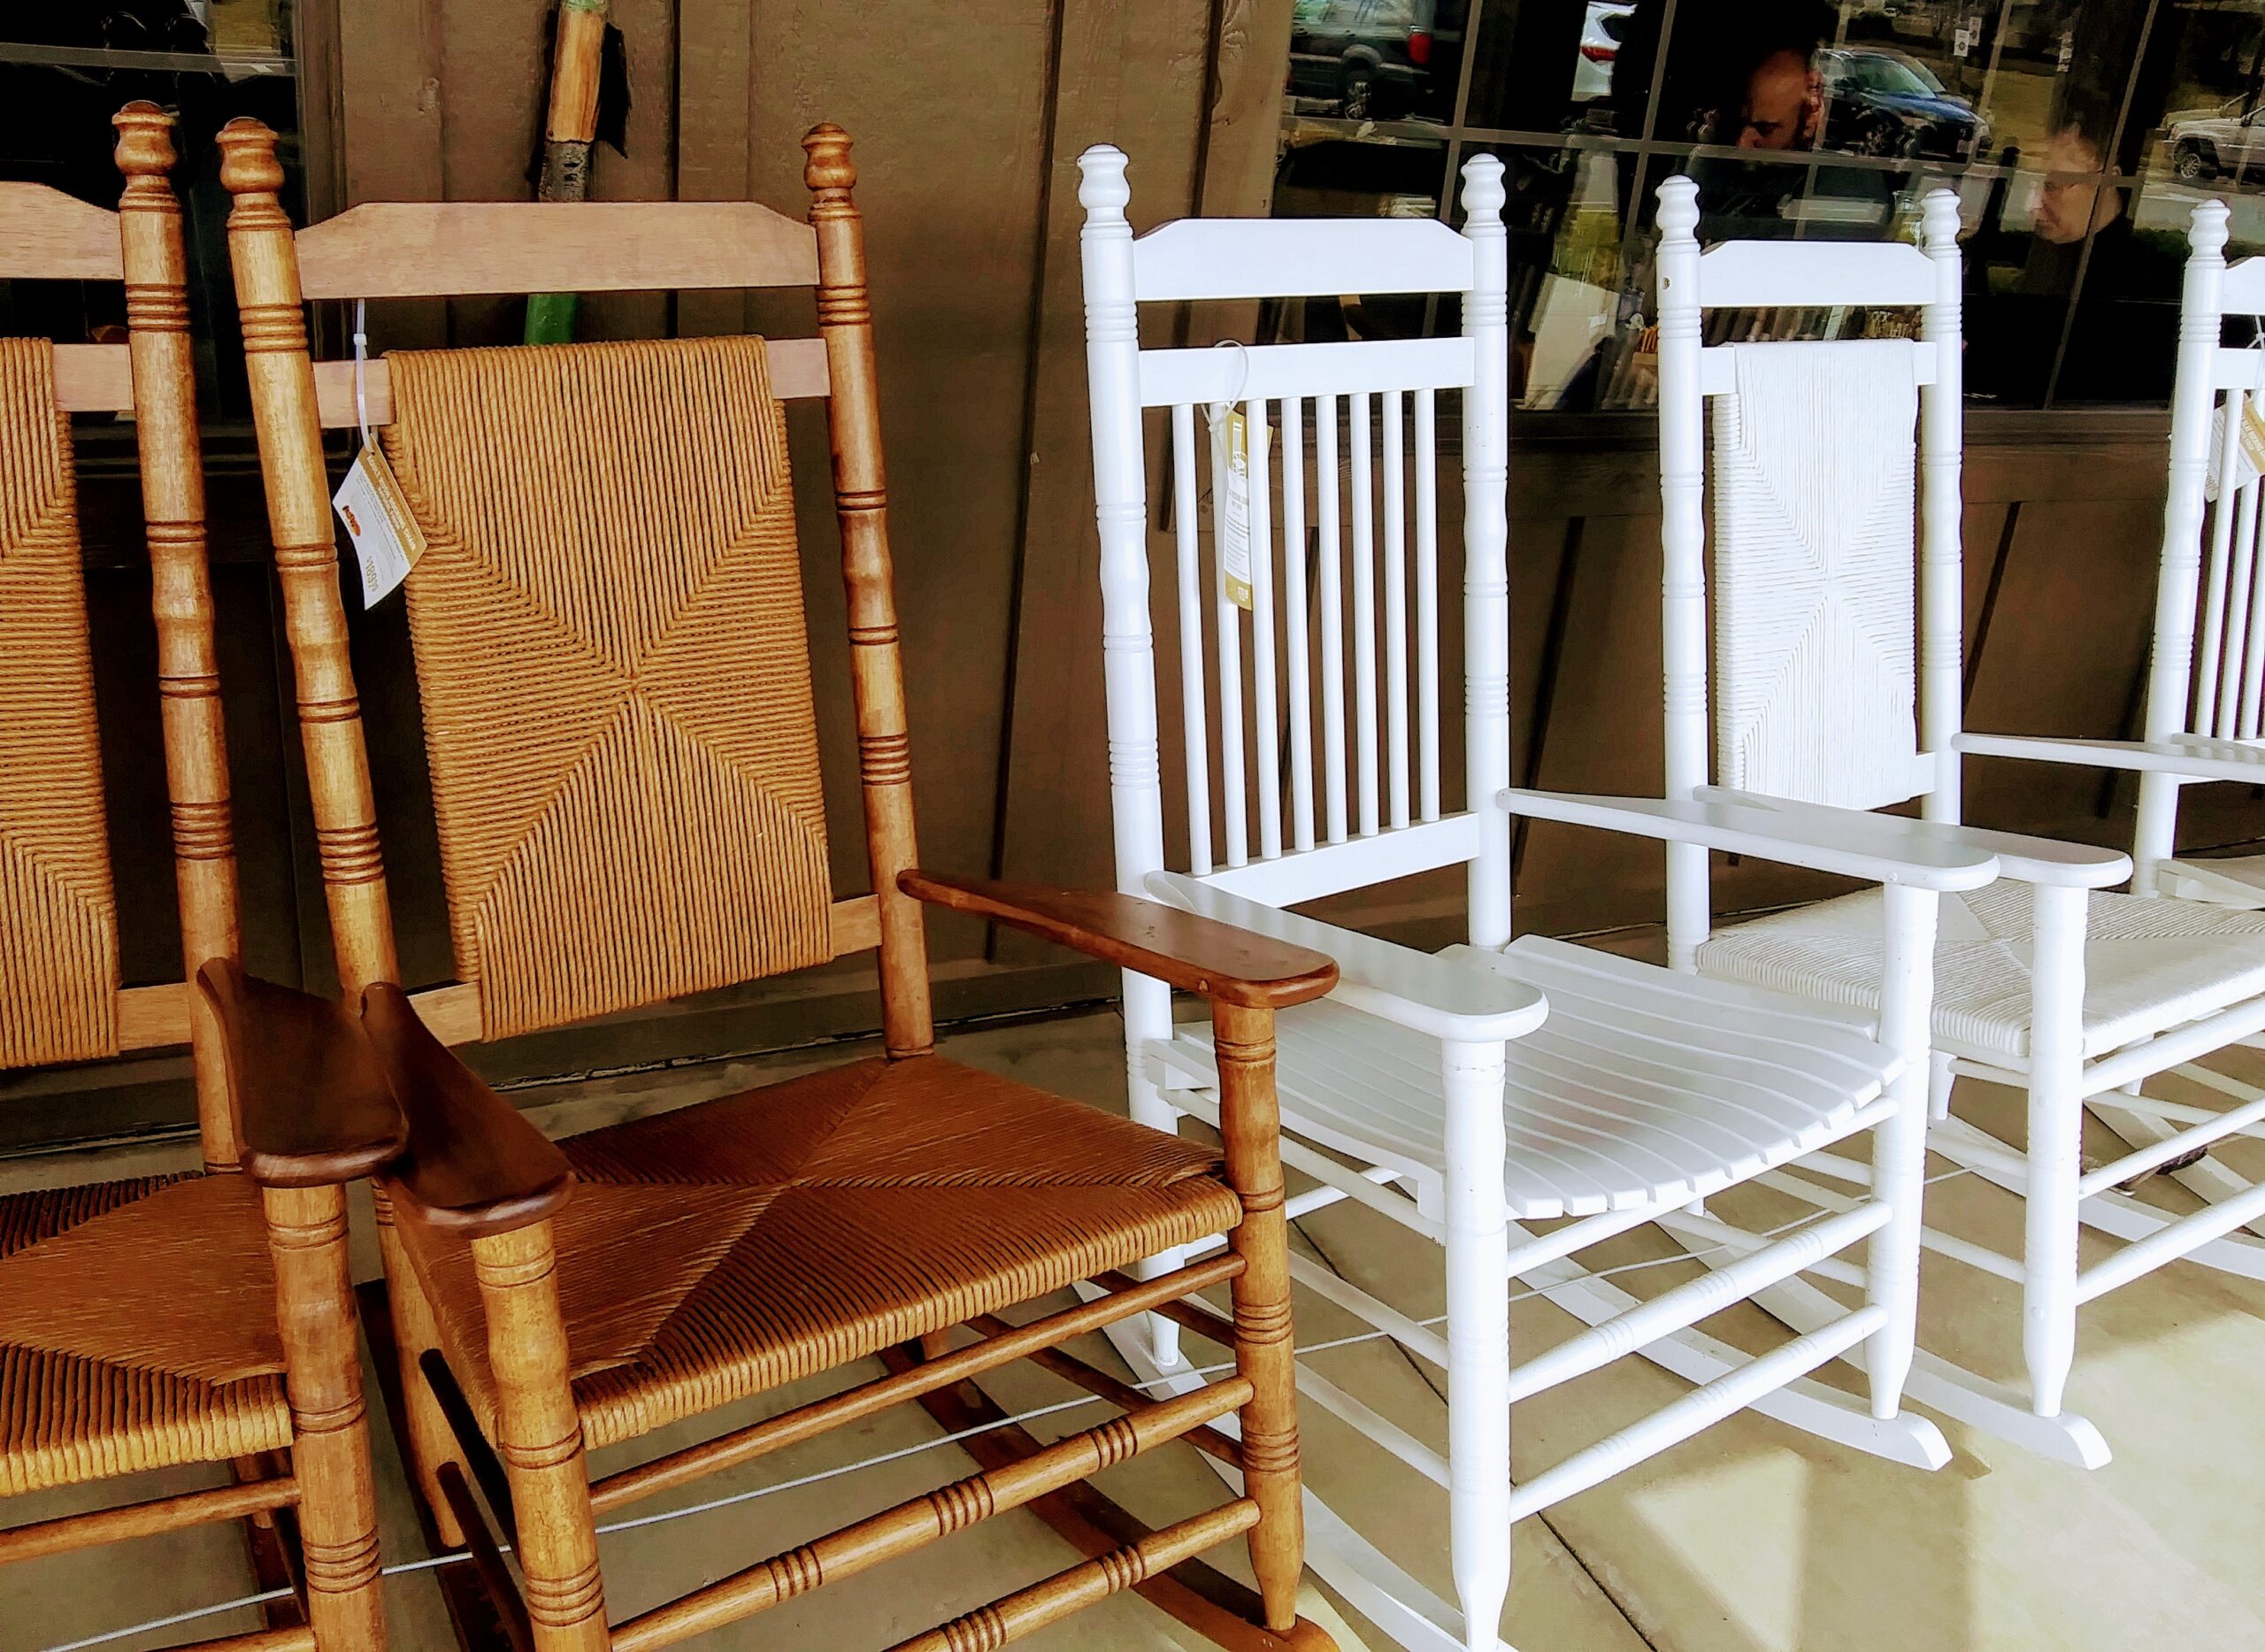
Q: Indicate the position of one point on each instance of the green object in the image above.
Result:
(550, 317)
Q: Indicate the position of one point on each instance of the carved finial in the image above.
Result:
(1482, 194)
(145, 140)
(829, 166)
(2205, 232)
(247, 163)
(1939, 221)
(1101, 188)
(1678, 217)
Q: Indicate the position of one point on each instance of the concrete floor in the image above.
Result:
(1751, 1538)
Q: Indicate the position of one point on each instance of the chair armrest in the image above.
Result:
(475, 1166)
(1879, 849)
(2188, 756)
(1196, 954)
(312, 1105)
(1399, 984)
(2023, 858)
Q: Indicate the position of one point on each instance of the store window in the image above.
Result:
(2079, 134)
(65, 69)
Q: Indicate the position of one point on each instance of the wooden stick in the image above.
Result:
(806, 1422)
(845, 318)
(910, 1525)
(1012, 1617)
(1123, 1396)
(145, 1520)
(577, 64)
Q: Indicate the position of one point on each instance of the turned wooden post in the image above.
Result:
(845, 318)
(1249, 1121)
(539, 1436)
(330, 1450)
(306, 555)
(415, 1331)
(173, 507)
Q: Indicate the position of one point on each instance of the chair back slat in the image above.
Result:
(1310, 706)
(46, 235)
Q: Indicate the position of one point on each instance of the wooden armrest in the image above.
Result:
(312, 1106)
(475, 1165)
(1196, 954)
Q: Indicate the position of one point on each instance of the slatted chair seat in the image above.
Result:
(2149, 965)
(174, 1358)
(780, 1233)
(2237, 879)
(1642, 1088)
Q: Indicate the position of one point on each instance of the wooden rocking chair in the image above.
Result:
(610, 640)
(171, 1320)
(1490, 1088)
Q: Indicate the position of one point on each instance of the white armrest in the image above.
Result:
(2188, 756)
(1406, 987)
(2022, 858)
(1879, 849)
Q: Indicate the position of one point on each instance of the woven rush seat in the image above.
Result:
(137, 1330)
(2149, 965)
(715, 1252)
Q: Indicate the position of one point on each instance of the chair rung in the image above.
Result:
(1123, 1396)
(2233, 1121)
(145, 1520)
(1011, 1617)
(2170, 1242)
(298, 1638)
(921, 1521)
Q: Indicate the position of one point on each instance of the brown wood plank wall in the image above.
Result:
(969, 120)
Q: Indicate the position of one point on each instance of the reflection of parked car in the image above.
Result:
(1377, 60)
(1882, 101)
(1600, 33)
(2204, 142)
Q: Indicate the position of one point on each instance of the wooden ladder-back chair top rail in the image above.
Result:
(581, 247)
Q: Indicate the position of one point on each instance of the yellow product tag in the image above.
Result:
(1231, 459)
(387, 540)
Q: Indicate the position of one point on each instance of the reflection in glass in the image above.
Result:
(1376, 59)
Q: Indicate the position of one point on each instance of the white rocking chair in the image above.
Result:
(2043, 983)
(1502, 1083)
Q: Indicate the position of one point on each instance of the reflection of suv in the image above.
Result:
(2204, 142)
(1377, 60)
(1882, 101)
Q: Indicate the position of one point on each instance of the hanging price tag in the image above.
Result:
(1231, 466)
(387, 540)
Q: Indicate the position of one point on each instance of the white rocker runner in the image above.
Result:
(2043, 983)
(1506, 1082)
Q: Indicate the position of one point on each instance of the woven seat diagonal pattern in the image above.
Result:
(608, 625)
(137, 1330)
(58, 916)
(2149, 965)
(713, 1253)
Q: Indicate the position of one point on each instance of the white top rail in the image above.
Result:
(1760, 274)
(1172, 378)
(2244, 292)
(1288, 257)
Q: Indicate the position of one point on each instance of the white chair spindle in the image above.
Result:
(2253, 659)
(2243, 565)
(2214, 619)
(1330, 562)
(1364, 611)
(1265, 700)
(1194, 710)
(1234, 804)
(1295, 620)
(1427, 607)
(1395, 602)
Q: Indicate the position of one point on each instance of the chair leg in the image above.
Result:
(1900, 1144)
(415, 1331)
(1478, 1341)
(540, 1439)
(1264, 1351)
(2055, 1138)
(330, 1445)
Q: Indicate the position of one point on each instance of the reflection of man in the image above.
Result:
(2071, 199)
(1785, 95)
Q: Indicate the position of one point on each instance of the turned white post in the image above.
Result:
(1128, 646)
(1942, 593)
(2055, 1141)
(1900, 1148)
(1486, 549)
(1479, 1339)
(1683, 554)
(2170, 671)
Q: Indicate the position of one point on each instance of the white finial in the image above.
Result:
(1102, 187)
(1679, 208)
(2206, 232)
(1938, 219)
(1482, 194)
